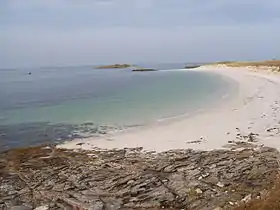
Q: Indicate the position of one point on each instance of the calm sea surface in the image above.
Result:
(54, 104)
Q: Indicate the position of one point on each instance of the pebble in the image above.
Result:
(231, 203)
(247, 198)
(198, 191)
(42, 208)
(219, 184)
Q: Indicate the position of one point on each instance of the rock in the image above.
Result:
(130, 182)
(211, 180)
(20, 208)
(42, 208)
(112, 203)
(137, 190)
(231, 203)
(247, 198)
(115, 66)
(219, 184)
(98, 205)
(198, 191)
(163, 195)
(143, 69)
(134, 179)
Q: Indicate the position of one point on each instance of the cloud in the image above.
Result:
(78, 4)
(59, 32)
(137, 13)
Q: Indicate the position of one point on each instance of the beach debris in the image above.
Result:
(273, 130)
(194, 142)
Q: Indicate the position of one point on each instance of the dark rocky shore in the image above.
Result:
(35, 134)
(51, 178)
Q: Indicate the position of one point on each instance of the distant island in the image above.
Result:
(124, 66)
(144, 69)
(115, 66)
(191, 66)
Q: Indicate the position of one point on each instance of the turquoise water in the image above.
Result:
(77, 95)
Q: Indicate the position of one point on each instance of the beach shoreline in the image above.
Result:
(244, 174)
(253, 111)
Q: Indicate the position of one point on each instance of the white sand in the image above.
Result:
(255, 109)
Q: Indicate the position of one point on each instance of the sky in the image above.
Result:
(86, 32)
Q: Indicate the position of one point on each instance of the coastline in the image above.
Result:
(253, 111)
(242, 177)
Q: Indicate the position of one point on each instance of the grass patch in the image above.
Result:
(268, 63)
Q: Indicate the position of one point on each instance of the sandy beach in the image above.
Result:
(254, 110)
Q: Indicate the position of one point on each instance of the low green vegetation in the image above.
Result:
(268, 63)
(269, 201)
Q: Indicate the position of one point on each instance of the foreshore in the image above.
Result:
(252, 114)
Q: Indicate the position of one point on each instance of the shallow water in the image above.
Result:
(71, 96)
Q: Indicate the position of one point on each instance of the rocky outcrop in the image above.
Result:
(50, 178)
(143, 69)
(191, 66)
(115, 66)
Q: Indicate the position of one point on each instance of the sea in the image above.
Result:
(41, 106)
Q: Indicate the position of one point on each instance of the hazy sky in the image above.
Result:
(75, 32)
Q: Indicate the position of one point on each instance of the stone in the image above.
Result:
(130, 182)
(198, 191)
(20, 208)
(247, 198)
(221, 185)
(231, 203)
(98, 205)
(211, 180)
(46, 207)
